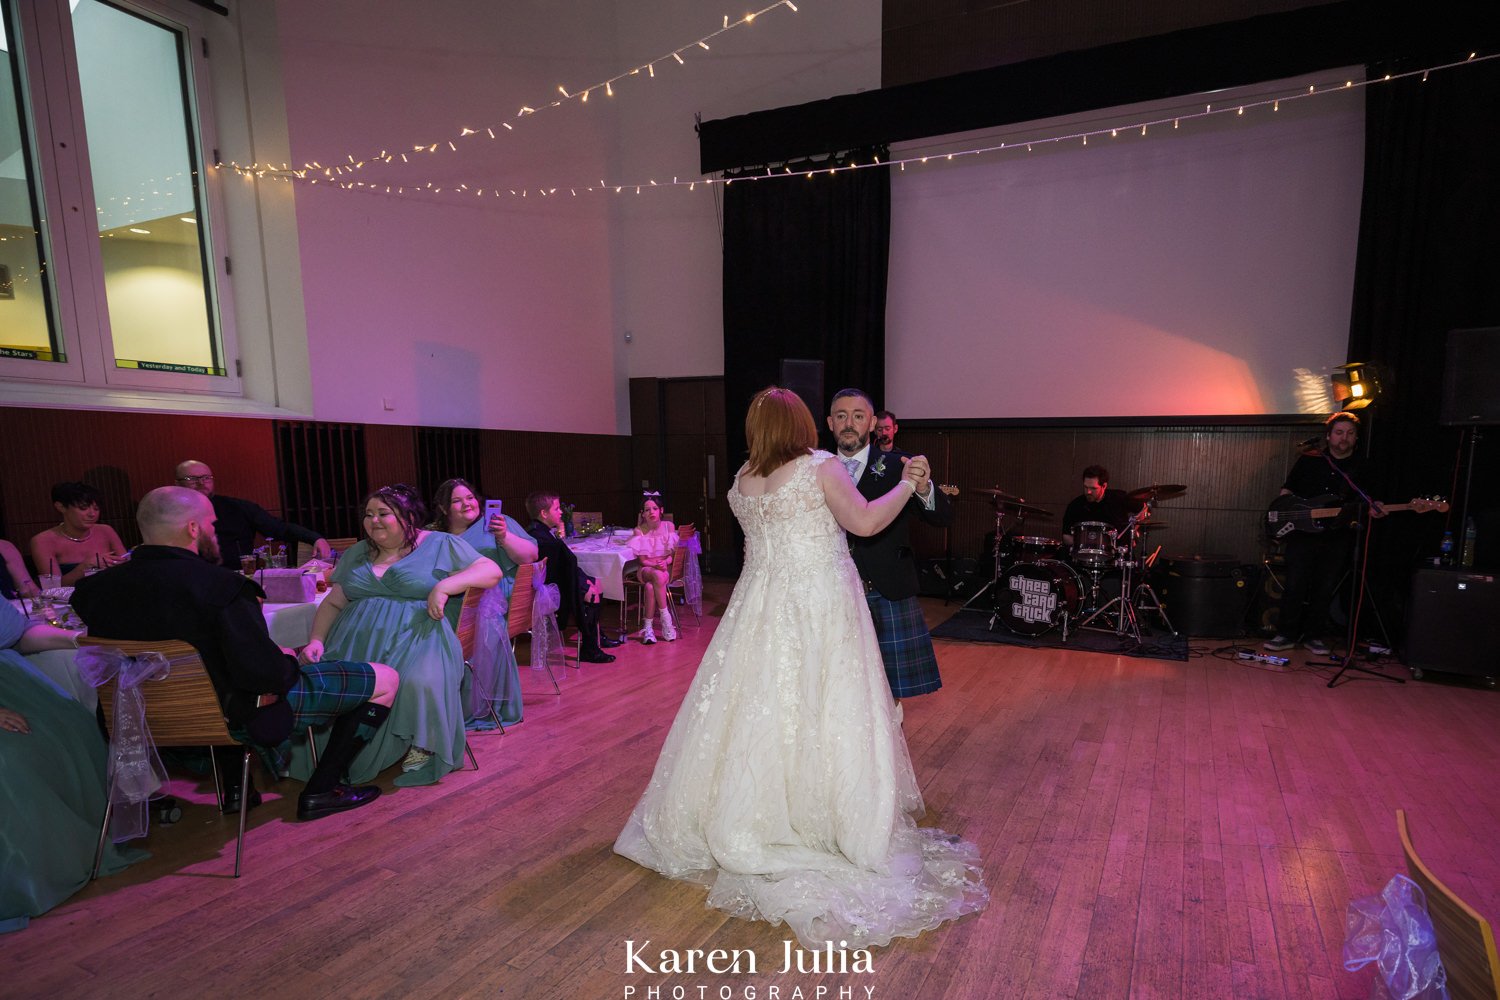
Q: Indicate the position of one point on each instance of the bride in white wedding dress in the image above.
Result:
(784, 784)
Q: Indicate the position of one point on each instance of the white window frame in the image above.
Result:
(52, 106)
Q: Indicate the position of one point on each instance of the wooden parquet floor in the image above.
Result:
(1148, 829)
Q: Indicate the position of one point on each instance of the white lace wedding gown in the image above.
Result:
(785, 783)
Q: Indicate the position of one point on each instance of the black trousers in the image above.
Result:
(1315, 563)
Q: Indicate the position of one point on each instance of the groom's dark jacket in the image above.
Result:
(886, 560)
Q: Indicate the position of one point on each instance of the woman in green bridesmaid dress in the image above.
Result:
(457, 509)
(386, 605)
(52, 784)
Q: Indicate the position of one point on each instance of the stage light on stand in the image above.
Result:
(1355, 385)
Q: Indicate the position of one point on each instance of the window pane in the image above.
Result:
(146, 185)
(27, 329)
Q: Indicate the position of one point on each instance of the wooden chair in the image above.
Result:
(468, 629)
(519, 619)
(1465, 939)
(182, 709)
(339, 545)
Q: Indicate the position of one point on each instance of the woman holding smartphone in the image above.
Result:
(457, 509)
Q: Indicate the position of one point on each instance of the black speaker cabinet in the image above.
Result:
(1471, 378)
(1205, 595)
(1454, 623)
(805, 378)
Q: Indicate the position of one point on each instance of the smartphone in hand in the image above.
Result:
(491, 511)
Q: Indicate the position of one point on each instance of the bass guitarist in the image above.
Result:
(1316, 561)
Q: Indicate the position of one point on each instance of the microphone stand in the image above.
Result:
(1358, 570)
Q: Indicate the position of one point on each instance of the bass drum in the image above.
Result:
(1035, 596)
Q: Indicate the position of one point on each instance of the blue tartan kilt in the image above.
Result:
(327, 689)
(905, 646)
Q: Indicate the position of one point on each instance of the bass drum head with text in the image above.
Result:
(1034, 596)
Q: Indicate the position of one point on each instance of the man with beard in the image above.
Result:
(239, 520)
(1315, 561)
(172, 589)
(885, 561)
(885, 430)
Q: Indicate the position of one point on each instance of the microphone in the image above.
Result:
(1316, 439)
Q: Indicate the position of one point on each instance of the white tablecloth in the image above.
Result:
(289, 625)
(605, 561)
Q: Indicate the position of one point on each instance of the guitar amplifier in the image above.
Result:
(1205, 595)
(1454, 623)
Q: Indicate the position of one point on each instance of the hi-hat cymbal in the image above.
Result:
(1160, 491)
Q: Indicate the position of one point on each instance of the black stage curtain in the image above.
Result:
(805, 277)
(1429, 254)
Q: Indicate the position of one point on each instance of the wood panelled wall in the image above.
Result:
(125, 455)
(1231, 471)
(678, 447)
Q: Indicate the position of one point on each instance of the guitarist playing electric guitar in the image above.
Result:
(1315, 561)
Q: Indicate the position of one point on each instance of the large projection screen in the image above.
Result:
(1189, 271)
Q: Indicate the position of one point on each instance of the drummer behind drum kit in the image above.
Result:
(1037, 587)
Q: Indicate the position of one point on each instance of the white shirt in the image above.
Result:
(863, 458)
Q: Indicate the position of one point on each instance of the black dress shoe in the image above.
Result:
(596, 657)
(232, 800)
(607, 642)
(316, 805)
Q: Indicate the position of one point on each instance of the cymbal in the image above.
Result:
(1160, 491)
(998, 493)
(1023, 508)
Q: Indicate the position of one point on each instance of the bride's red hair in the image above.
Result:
(778, 427)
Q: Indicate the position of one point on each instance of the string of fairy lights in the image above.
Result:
(809, 169)
(351, 164)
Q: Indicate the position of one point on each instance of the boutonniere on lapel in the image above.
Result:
(878, 469)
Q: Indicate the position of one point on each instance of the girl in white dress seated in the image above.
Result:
(784, 784)
(652, 543)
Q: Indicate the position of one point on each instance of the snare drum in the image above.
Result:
(1034, 596)
(1093, 544)
(1030, 548)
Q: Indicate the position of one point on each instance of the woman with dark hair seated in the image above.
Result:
(457, 509)
(80, 543)
(386, 605)
(52, 780)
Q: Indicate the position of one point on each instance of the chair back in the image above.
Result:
(1465, 940)
(519, 618)
(468, 620)
(339, 545)
(679, 562)
(685, 531)
(182, 708)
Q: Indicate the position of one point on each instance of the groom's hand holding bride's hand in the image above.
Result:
(919, 472)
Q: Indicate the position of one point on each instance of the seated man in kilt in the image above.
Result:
(174, 588)
(885, 561)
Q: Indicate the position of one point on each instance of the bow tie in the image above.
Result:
(852, 464)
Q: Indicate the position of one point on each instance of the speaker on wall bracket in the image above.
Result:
(1471, 378)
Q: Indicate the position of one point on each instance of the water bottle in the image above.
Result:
(1445, 550)
(1466, 554)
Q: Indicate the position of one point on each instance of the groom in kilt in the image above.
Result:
(885, 561)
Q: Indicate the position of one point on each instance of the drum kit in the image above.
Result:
(1039, 586)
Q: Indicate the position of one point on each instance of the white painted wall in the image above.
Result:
(464, 310)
